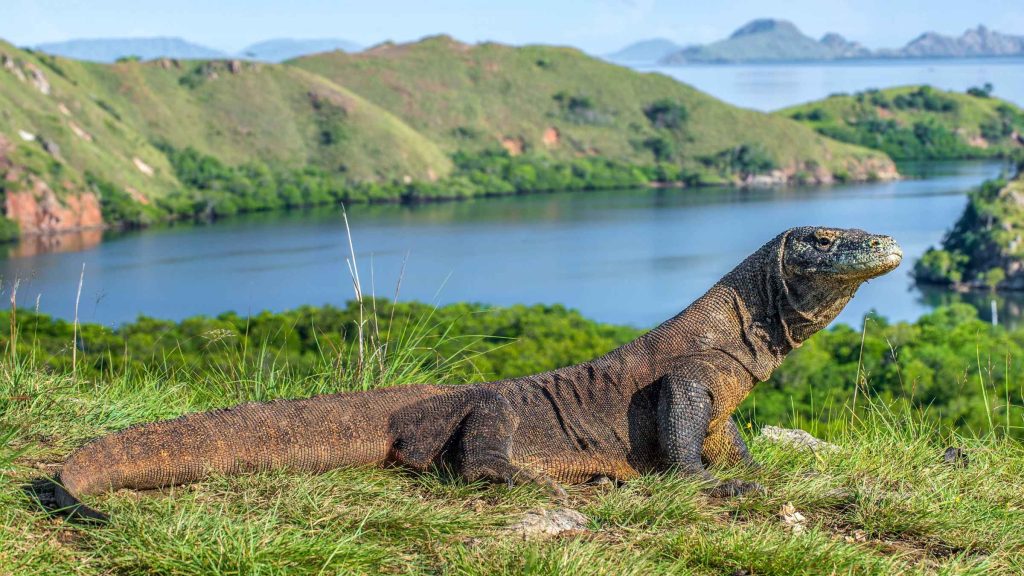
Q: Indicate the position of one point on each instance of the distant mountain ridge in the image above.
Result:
(766, 39)
(645, 51)
(108, 50)
(281, 49)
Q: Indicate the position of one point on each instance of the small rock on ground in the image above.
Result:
(797, 439)
(543, 523)
(956, 457)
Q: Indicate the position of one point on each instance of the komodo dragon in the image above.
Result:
(662, 401)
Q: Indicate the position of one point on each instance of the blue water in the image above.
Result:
(774, 86)
(632, 257)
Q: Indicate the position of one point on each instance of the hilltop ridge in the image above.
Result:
(137, 141)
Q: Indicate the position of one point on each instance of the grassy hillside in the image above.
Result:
(241, 112)
(59, 128)
(883, 503)
(983, 250)
(918, 122)
(403, 122)
(559, 102)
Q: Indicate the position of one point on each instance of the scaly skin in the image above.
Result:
(663, 401)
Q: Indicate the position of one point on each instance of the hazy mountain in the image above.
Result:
(110, 49)
(843, 48)
(645, 51)
(281, 49)
(763, 39)
(779, 40)
(979, 41)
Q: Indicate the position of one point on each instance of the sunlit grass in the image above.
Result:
(885, 503)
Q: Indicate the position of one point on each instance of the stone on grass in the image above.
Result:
(546, 523)
(796, 439)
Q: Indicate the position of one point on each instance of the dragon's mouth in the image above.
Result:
(883, 257)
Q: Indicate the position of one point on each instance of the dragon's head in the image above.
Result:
(821, 269)
(834, 256)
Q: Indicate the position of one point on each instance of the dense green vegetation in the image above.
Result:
(930, 365)
(883, 504)
(213, 189)
(919, 122)
(983, 249)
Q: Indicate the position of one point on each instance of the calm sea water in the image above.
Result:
(631, 257)
(774, 86)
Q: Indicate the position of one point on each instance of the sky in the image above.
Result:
(597, 26)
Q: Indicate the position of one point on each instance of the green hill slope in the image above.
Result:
(55, 135)
(918, 122)
(983, 249)
(559, 102)
(85, 143)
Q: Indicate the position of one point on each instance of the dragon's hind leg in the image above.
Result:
(485, 441)
(469, 428)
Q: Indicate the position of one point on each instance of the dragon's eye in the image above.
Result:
(822, 241)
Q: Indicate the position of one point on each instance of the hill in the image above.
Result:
(132, 142)
(562, 103)
(645, 51)
(983, 250)
(109, 50)
(281, 49)
(918, 122)
(80, 137)
(765, 40)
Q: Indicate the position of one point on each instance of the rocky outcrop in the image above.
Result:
(873, 168)
(865, 170)
(37, 210)
(32, 204)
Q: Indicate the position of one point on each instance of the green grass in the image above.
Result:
(884, 504)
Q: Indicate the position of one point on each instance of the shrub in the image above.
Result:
(667, 113)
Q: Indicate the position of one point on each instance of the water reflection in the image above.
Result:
(50, 243)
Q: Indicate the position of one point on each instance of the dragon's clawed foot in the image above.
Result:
(735, 487)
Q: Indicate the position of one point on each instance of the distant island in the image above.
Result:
(770, 40)
(110, 50)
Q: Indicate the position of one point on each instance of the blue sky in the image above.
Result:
(594, 25)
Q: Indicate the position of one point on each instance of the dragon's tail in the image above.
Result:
(65, 503)
(312, 435)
